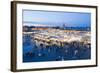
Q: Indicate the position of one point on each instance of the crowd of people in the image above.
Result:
(65, 51)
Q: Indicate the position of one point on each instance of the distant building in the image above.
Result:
(25, 28)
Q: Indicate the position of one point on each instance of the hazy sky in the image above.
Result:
(51, 18)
